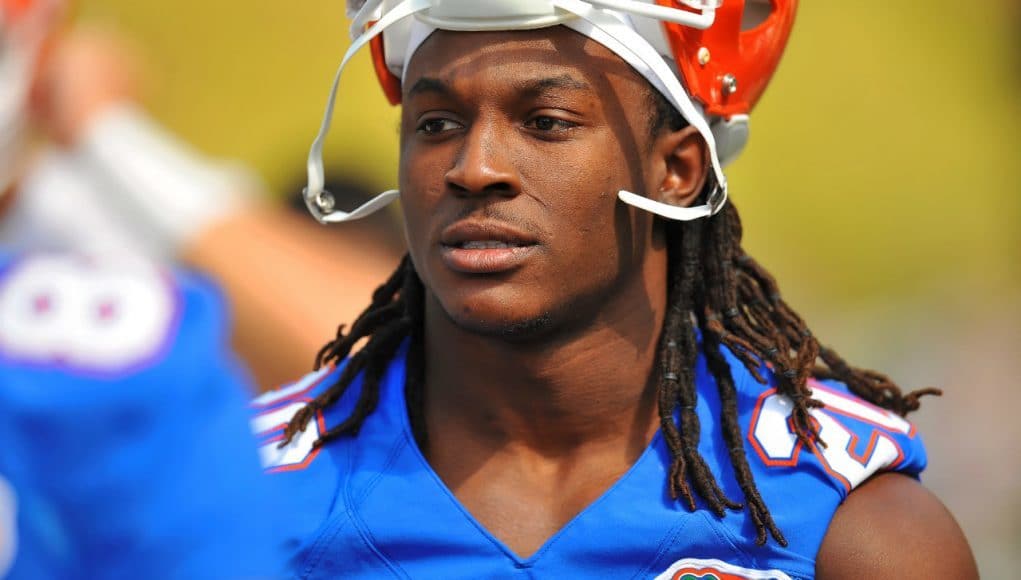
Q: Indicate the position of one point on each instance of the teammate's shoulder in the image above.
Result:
(104, 315)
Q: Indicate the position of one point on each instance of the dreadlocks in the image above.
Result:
(714, 286)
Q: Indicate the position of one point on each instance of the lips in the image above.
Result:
(484, 247)
(476, 232)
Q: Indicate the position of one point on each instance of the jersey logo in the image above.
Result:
(274, 411)
(8, 529)
(696, 569)
(88, 315)
(846, 457)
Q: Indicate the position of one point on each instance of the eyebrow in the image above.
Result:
(429, 85)
(530, 88)
(564, 81)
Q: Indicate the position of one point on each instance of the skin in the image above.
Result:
(572, 331)
(538, 391)
(891, 526)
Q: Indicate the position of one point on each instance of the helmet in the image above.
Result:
(711, 59)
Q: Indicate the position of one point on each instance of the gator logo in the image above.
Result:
(696, 569)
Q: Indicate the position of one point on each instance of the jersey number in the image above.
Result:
(847, 457)
(58, 310)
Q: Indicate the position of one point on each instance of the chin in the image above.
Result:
(500, 319)
(513, 330)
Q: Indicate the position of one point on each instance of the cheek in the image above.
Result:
(578, 188)
(422, 188)
(421, 176)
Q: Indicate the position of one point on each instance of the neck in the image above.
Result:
(558, 396)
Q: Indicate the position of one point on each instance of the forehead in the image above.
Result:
(451, 55)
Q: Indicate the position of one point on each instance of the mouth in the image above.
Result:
(484, 247)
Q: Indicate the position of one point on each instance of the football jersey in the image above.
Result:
(125, 449)
(370, 506)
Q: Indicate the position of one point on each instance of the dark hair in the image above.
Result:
(714, 285)
(664, 115)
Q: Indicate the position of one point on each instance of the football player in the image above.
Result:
(578, 371)
(123, 419)
(124, 427)
(108, 179)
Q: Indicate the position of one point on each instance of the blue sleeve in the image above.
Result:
(804, 485)
(880, 440)
(135, 461)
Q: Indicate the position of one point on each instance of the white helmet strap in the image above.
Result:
(320, 202)
(592, 18)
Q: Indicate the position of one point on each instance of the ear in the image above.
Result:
(684, 156)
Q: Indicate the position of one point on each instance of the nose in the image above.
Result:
(484, 164)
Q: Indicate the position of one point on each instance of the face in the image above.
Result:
(513, 148)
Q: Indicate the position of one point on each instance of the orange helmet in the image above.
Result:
(725, 67)
(728, 66)
(712, 59)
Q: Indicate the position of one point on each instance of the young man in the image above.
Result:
(558, 384)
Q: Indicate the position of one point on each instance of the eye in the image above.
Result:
(437, 126)
(546, 123)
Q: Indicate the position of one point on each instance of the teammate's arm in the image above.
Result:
(289, 284)
(286, 279)
(892, 527)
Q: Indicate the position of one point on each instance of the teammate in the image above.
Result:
(124, 427)
(577, 371)
(124, 442)
(107, 179)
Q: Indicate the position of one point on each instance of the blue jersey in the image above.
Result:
(124, 443)
(370, 506)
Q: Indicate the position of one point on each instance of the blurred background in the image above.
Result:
(880, 186)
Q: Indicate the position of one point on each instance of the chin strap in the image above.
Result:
(321, 203)
(678, 213)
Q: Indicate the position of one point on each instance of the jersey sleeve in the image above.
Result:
(124, 425)
(857, 439)
(804, 484)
